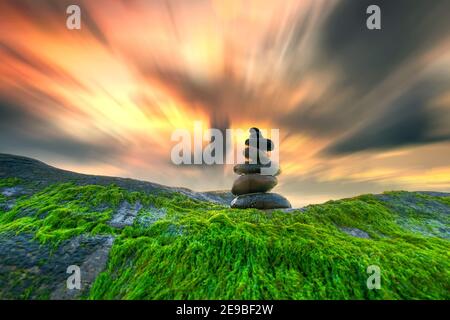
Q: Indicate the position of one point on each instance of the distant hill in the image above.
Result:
(140, 240)
(44, 175)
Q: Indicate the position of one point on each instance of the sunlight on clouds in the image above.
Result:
(138, 71)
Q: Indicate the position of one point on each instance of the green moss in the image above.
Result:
(199, 250)
(9, 182)
(250, 254)
(61, 212)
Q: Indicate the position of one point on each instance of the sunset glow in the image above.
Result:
(355, 114)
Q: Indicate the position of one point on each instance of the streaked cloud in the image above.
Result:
(358, 110)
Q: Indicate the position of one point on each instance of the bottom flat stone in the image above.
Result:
(260, 201)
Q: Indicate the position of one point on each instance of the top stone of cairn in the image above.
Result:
(258, 141)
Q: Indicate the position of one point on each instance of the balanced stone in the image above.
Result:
(260, 201)
(252, 183)
(255, 133)
(261, 157)
(257, 176)
(249, 168)
(260, 143)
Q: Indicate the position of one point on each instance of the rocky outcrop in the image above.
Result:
(125, 215)
(31, 264)
(43, 175)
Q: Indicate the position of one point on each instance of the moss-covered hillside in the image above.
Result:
(166, 245)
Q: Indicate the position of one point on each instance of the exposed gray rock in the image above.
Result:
(13, 191)
(7, 205)
(11, 194)
(31, 270)
(125, 215)
(355, 232)
(219, 197)
(292, 210)
(92, 265)
(420, 214)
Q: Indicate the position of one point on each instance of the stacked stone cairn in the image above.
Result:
(251, 188)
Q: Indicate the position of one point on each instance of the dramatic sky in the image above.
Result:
(358, 111)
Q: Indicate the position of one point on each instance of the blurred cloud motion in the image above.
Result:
(358, 110)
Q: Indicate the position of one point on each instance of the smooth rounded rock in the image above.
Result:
(252, 183)
(249, 168)
(255, 133)
(256, 156)
(260, 201)
(261, 143)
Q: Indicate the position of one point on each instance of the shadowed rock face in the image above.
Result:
(44, 268)
(91, 266)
